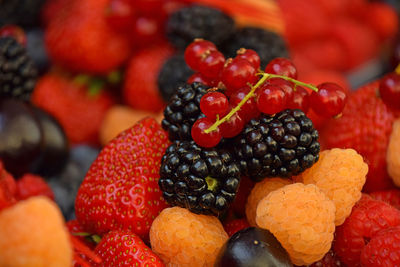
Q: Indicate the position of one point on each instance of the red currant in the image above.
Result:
(233, 126)
(282, 66)
(286, 86)
(270, 99)
(389, 89)
(329, 101)
(195, 52)
(237, 74)
(213, 104)
(198, 77)
(149, 6)
(249, 55)
(211, 64)
(205, 139)
(300, 100)
(249, 109)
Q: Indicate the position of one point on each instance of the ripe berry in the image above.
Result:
(232, 127)
(300, 100)
(282, 66)
(120, 14)
(147, 30)
(286, 86)
(211, 64)
(195, 51)
(214, 103)
(329, 101)
(237, 73)
(389, 89)
(249, 55)
(249, 109)
(271, 99)
(205, 139)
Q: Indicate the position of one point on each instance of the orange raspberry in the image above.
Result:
(341, 175)
(33, 234)
(302, 218)
(259, 191)
(393, 153)
(182, 238)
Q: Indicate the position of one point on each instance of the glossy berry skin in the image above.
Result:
(205, 181)
(286, 86)
(329, 101)
(124, 248)
(195, 51)
(249, 109)
(282, 66)
(120, 14)
(128, 197)
(237, 74)
(249, 55)
(271, 99)
(211, 64)
(300, 99)
(55, 150)
(21, 137)
(232, 127)
(389, 90)
(252, 247)
(205, 139)
(213, 104)
(199, 78)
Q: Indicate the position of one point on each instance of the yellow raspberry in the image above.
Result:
(393, 153)
(259, 191)
(182, 238)
(302, 218)
(33, 233)
(341, 175)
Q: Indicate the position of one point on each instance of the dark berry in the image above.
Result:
(281, 145)
(202, 180)
(183, 111)
(267, 44)
(21, 12)
(173, 74)
(195, 21)
(17, 71)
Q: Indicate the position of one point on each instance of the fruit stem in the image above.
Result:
(397, 70)
(264, 77)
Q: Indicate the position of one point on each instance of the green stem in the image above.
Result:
(264, 77)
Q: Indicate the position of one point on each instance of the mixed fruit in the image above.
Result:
(167, 133)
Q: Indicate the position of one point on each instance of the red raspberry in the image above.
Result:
(368, 217)
(365, 126)
(329, 260)
(375, 253)
(236, 225)
(32, 185)
(389, 196)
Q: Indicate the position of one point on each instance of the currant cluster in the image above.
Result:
(389, 89)
(249, 91)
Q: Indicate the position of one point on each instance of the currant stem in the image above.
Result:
(264, 77)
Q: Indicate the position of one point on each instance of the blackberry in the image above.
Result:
(17, 71)
(183, 110)
(173, 74)
(205, 181)
(267, 44)
(198, 21)
(22, 12)
(281, 145)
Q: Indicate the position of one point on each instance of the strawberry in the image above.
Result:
(120, 190)
(365, 125)
(140, 87)
(8, 188)
(79, 111)
(383, 19)
(236, 225)
(80, 39)
(32, 185)
(124, 248)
